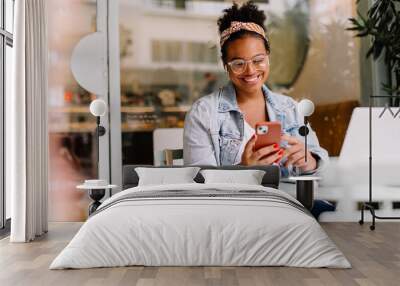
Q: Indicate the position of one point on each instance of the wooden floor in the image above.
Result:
(374, 255)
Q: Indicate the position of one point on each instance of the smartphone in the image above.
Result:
(267, 133)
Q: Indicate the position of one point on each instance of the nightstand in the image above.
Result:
(96, 193)
(305, 189)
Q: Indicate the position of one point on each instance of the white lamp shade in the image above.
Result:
(98, 107)
(306, 107)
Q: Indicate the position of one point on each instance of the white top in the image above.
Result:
(248, 133)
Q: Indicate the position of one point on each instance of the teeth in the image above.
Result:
(251, 79)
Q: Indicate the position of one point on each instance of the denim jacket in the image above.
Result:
(214, 129)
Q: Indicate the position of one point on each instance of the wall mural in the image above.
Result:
(169, 57)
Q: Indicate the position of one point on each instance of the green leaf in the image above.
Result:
(354, 29)
(362, 34)
(362, 18)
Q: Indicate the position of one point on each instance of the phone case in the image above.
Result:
(267, 133)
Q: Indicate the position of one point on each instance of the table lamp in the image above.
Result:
(305, 184)
(306, 108)
(98, 108)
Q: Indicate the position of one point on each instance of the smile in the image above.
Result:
(251, 79)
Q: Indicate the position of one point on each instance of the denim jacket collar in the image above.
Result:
(228, 101)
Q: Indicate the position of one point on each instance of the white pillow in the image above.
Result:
(248, 177)
(165, 176)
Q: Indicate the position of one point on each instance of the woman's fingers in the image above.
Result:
(273, 158)
(301, 162)
(295, 146)
(248, 151)
(294, 149)
(295, 157)
(295, 154)
(265, 151)
(250, 144)
(290, 139)
(281, 153)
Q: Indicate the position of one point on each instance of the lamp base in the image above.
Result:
(305, 193)
(96, 195)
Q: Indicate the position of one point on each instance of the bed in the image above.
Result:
(198, 224)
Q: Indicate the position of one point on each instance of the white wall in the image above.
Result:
(147, 26)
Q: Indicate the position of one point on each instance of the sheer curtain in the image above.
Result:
(26, 124)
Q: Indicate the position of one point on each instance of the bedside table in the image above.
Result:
(96, 193)
(305, 189)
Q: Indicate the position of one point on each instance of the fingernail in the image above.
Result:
(275, 146)
(280, 152)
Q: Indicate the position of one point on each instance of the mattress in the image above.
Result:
(201, 225)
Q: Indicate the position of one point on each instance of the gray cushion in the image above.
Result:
(271, 178)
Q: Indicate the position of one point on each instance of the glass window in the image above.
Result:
(170, 57)
(167, 51)
(71, 126)
(9, 9)
(201, 53)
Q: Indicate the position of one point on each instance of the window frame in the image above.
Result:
(6, 39)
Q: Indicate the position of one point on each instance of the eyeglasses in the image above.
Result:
(239, 65)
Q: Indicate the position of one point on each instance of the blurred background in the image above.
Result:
(169, 57)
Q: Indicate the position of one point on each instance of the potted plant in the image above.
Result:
(382, 23)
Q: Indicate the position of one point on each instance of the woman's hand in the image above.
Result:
(295, 154)
(263, 156)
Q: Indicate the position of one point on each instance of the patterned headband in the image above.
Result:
(237, 26)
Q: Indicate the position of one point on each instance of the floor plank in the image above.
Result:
(374, 255)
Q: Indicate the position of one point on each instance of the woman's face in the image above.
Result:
(250, 78)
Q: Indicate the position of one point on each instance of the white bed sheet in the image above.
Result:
(200, 231)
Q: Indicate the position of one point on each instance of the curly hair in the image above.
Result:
(248, 12)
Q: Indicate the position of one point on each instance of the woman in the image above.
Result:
(219, 128)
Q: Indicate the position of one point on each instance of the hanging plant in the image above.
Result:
(382, 23)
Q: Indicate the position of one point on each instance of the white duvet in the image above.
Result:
(200, 231)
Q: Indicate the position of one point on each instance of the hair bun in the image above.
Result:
(248, 12)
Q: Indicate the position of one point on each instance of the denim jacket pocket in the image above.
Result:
(229, 146)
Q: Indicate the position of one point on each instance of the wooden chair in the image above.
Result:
(168, 146)
(171, 155)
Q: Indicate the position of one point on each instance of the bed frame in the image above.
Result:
(271, 178)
